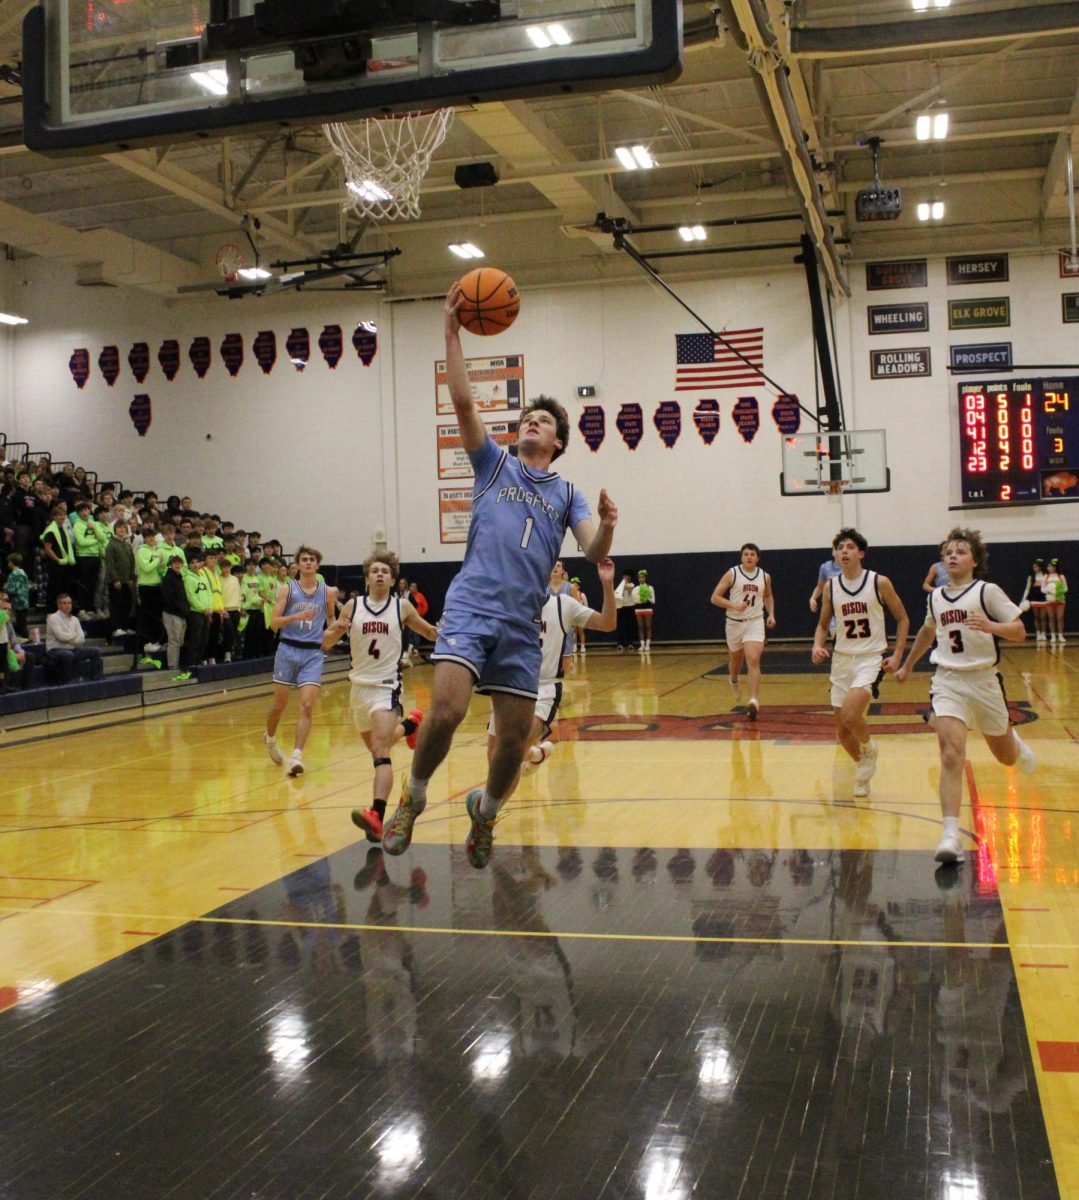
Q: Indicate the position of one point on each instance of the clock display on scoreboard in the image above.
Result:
(1019, 441)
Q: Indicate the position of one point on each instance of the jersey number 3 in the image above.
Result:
(956, 636)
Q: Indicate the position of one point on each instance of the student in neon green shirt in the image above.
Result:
(150, 629)
(201, 601)
(88, 551)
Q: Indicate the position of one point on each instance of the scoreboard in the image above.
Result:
(1019, 441)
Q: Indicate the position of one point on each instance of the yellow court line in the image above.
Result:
(539, 933)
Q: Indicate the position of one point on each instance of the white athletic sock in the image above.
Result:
(417, 792)
(951, 826)
(489, 806)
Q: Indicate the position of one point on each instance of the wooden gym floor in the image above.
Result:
(695, 964)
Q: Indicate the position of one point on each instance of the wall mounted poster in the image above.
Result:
(79, 366)
(630, 424)
(109, 362)
(454, 514)
(706, 418)
(498, 384)
(453, 461)
(200, 354)
(747, 417)
(668, 422)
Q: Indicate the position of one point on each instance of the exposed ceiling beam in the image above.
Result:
(170, 178)
(1049, 20)
(1054, 202)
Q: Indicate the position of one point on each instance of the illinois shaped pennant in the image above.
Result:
(232, 353)
(109, 362)
(747, 417)
(331, 345)
(138, 359)
(365, 342)
(668, 422)
(706, 418)
(200, 355)
(265, 347)
(298, 348)
(630, 424)
(139, 410)
(593, 426)
(169, 358)
(79, 366)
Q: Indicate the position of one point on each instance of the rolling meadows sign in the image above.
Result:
(899, 364)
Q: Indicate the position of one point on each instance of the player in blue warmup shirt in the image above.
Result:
(489, 633)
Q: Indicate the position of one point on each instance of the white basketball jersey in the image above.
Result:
(747, 589)
(859, 615)
(959, 647)
(375, 641)
(558, 616)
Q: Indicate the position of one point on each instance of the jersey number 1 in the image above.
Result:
(528, 532)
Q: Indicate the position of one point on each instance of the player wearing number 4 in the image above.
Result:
(303, 607)
(375, 624)
(857, 599)
(489, 634)
(966, 617)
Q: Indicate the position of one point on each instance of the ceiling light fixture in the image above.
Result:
(692, 233)
(11, 319)
(931, 125)
(254, 273)
(632, 157)
(931, 210)
(466, 250)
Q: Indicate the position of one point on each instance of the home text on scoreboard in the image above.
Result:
(1019, 441)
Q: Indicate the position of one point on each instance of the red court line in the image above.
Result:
(1059, 1056)
(233, 889)
(141, 932)
(1029, 910)
(1040, 966)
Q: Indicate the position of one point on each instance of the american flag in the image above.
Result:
(705, 362)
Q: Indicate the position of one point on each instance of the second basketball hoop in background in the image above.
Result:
(491, 301)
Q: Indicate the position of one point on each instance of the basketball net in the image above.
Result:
(386, 158)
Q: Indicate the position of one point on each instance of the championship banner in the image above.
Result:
(593, 426)
(265, 348)
(109, 362)
(453, 460)
(786, 414)
(331, 345)
(79, 366)
(668, 422)
(454, 514)
(169, 358)
(630, 424)
(497, 383)
(139, 410)
(200, 355)
(747, 417)
(706, 418)
(138, 359)
(365, 342)
(298, 347)
(232, 353)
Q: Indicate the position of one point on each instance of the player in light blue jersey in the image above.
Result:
(489, 633)
(302, 609)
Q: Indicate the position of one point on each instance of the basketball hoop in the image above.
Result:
(834, 487)
(386, 158)
(228, 260)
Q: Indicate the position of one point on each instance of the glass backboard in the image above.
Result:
(108, 74)
(820, 463)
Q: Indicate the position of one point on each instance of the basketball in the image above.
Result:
(491, 302)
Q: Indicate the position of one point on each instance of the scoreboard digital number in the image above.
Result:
(1019, 441)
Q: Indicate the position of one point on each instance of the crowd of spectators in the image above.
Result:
(186, 586)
